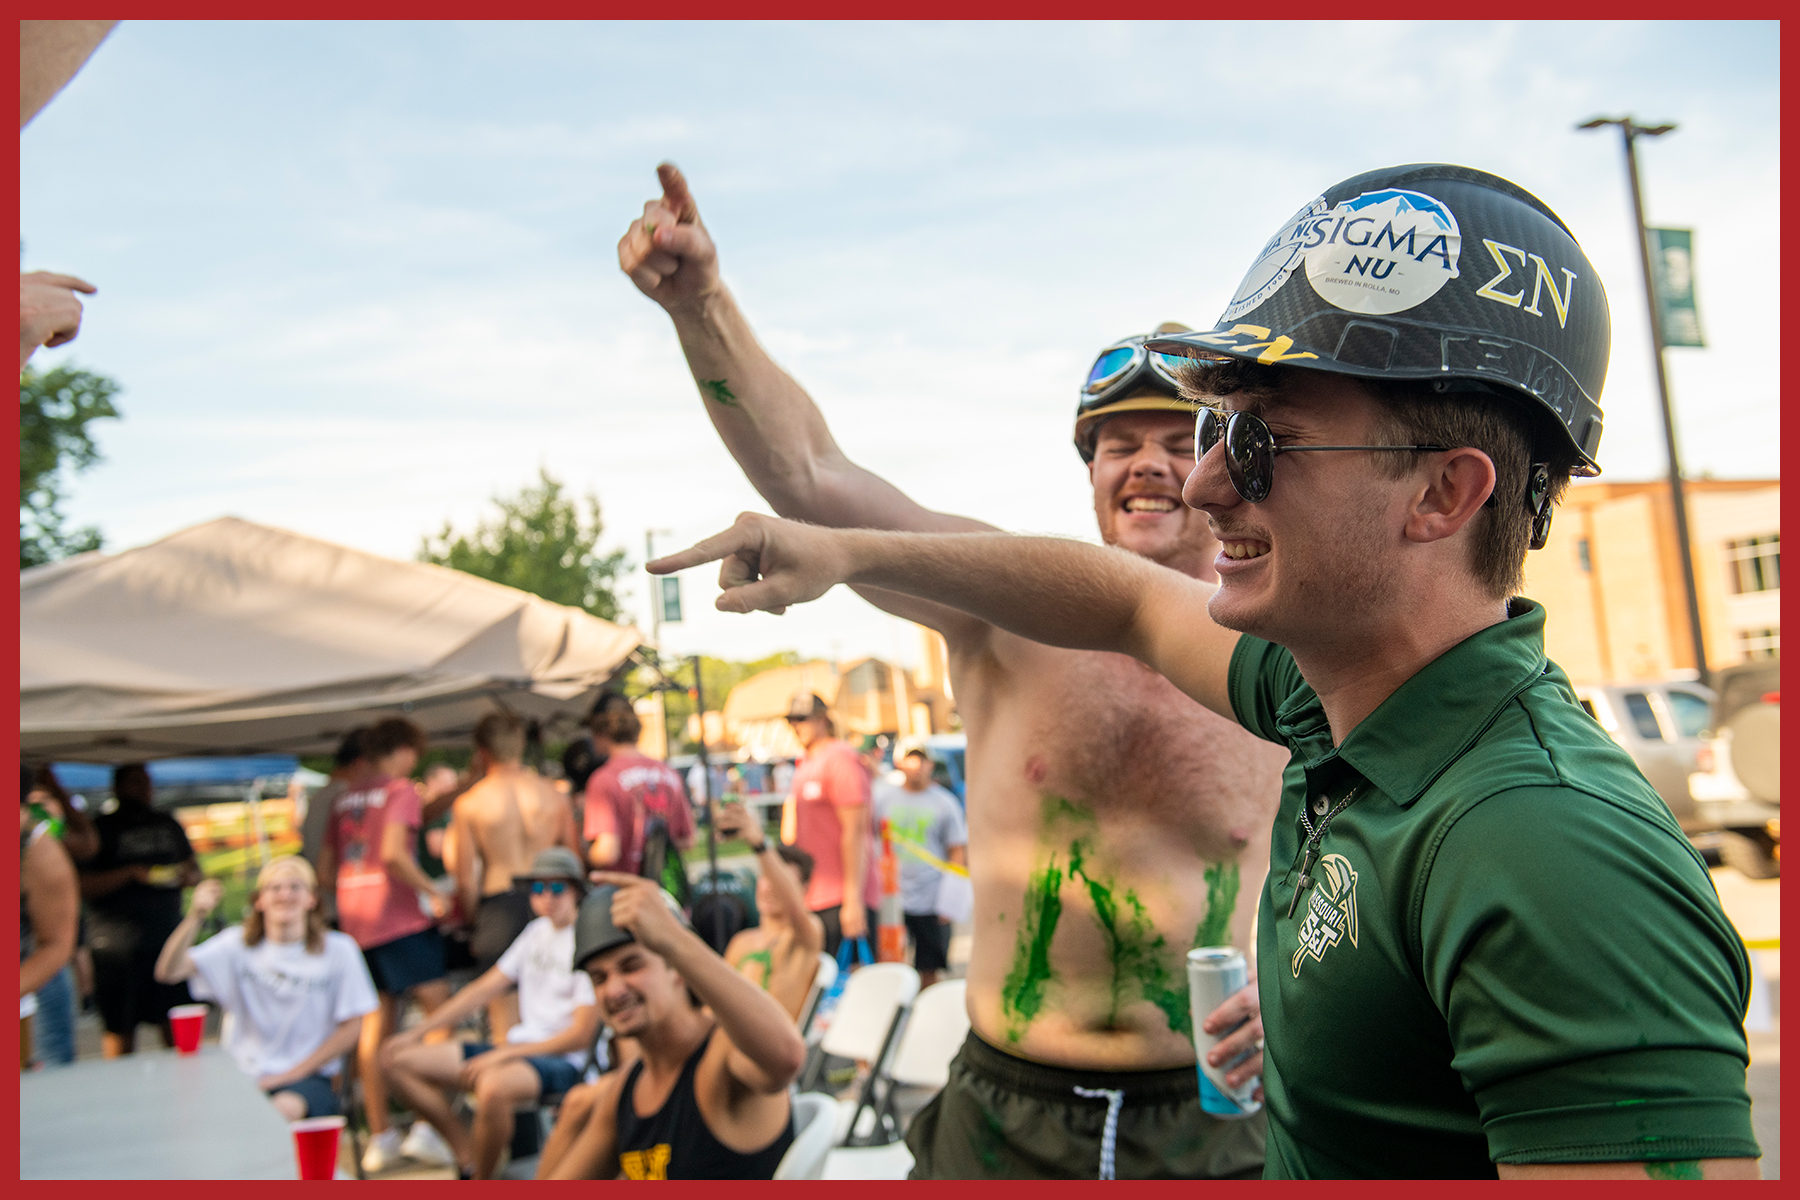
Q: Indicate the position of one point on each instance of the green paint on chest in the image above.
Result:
(1680, 1169)
(1022, 995)
(766, 958)
(720, 393)
(1221, 902)
(1141, 961)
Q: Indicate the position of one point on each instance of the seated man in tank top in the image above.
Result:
(708, 1096)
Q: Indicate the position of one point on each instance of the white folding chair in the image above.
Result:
(815, 1123)
(823, 978)
(869, 1162)
(935, 1031)
(864, 1025)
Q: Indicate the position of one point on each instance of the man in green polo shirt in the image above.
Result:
(1484, 945)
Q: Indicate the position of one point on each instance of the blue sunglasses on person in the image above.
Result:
(555, 887)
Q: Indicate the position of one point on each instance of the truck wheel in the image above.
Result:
(1750, 856)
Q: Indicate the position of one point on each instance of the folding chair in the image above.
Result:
(935, 1031)
(823, 978)
(864, 1025)
(815, 1126)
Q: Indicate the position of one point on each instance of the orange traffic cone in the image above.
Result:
(890, 917)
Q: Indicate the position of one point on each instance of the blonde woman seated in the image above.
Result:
(296, 992)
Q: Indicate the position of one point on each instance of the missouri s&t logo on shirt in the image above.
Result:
(1330, 911)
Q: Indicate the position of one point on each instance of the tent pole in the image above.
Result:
(253, 801)
(712, 842)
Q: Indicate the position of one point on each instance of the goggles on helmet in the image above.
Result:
(1126, 377)
(1127, 365)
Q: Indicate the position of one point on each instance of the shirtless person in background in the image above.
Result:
(496, 828)
(781, 952)
(1113, 822)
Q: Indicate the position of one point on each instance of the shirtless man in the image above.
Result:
(781, 954)
(1113, 822)
(498, 826)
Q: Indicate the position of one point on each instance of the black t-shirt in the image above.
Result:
(130, 836)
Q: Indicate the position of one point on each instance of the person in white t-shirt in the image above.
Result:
(544, 1053)
(296, 992)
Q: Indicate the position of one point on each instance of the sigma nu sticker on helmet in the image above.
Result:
(1276, 261)
(1383, 252)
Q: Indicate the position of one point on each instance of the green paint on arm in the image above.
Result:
(719, 392)
(1221, 902)
(1022, 995)
(1679, 1169)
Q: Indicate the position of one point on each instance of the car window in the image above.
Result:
(1692, 714)
(1643, 717)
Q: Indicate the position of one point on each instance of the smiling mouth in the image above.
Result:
(1150, 504)
(1238, 549)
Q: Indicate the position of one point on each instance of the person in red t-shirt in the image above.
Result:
(628, 792)
(831, 823)
(387, 903)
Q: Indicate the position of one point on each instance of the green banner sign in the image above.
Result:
(1672, 261)
(671, 597)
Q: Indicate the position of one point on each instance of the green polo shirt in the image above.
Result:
(1509, 953)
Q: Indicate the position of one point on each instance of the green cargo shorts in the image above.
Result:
(1002, 1117)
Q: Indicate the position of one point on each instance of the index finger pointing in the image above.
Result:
(719, 545)
(676, 194)
(616, 878)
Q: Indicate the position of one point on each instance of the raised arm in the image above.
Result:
(783, 880)
(174, 964)
(1051, 590)
(762, 1051)
(766, 419)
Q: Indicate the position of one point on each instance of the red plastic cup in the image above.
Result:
(316, 1146)
(187, 1022)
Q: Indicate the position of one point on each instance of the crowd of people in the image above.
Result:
(575, 991)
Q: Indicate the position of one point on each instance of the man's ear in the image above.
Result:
(1454, 490)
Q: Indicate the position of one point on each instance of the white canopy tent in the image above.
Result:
(232, 637)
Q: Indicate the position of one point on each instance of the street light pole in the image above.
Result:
(655, 587)
(1631, 131)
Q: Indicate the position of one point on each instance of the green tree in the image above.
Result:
(540, 541)
(55, 408)
(718, 676)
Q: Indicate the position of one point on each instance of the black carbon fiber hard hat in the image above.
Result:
(1430, 271)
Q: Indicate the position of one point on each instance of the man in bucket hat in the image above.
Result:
(543, 1054)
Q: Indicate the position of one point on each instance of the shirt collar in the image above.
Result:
(1431, 719)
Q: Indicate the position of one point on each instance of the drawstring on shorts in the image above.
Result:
(1109, 1136)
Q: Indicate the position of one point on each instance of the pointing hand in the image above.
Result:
(667, 251)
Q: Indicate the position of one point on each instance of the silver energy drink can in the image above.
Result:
(1215, 972)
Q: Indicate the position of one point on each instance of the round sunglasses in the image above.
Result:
(555, 887)
(1250, 450)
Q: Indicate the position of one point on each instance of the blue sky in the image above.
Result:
(357, 278)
